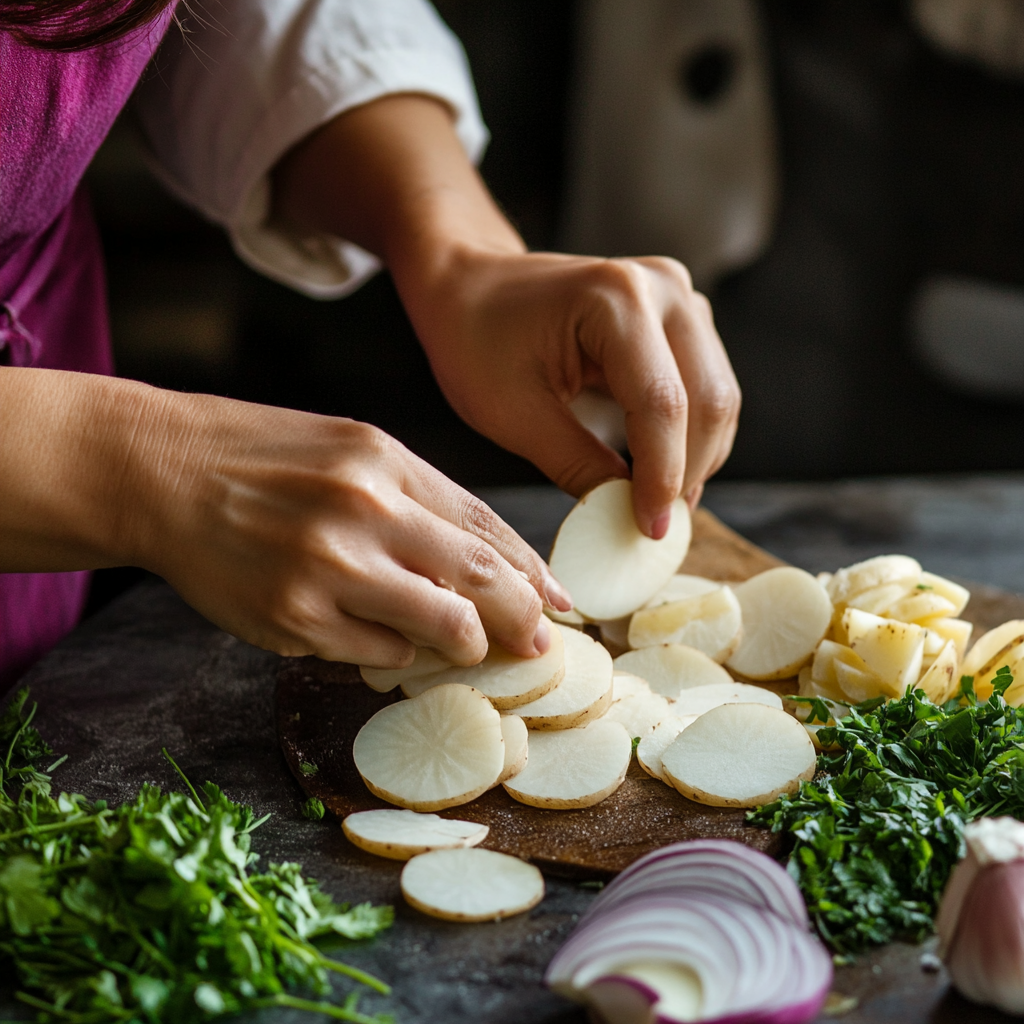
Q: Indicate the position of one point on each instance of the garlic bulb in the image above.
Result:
(981, 918)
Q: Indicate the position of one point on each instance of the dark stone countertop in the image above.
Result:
(148, 672)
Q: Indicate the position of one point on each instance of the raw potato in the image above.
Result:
(573, 767)
(1013, 659)
(603, 559)
(440, 749)
(989, 647)
(859, 684)
(921, 604)
(400, 835)
(425, 664)
(956, 630)
(505, 679)
(471, 885)
(785, 615)
(672, 668)
(680, 587)
(711, 623)
(740, 755)
(703, 698)
(941, 680)
(624, 684)
(585, 693)
(823, 668)
(651, 747)
(958, 596)
(570, 618)
(875, 572)
(891, 650)
(638, 714)
(878, 600)
(517, 746)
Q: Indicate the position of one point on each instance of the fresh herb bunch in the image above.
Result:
(879, 829)
(148, 913)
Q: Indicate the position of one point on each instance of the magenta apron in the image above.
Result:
(55, 110)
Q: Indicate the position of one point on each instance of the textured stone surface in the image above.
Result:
(149, 672)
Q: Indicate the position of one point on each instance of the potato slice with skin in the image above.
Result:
(809, 687)
(654, 744)
(573, 767)
(638, 714)
(703, 698)
(878, 600)
(570, 618)
(399, 835)
(785, 616)
(891, 650)
(711, 623)
(873, 572)
(585, 693)
(603, 559)
(672, 668)
(471, 885)
(682, 586)
(1013, 659)
(990, 646)
(941, 680)
(624, 684)
(859, 684)
(957, 630)
(823, 670)
(516, 738)
(506, 680)
(920, 604)
(425, 664)
(957, 595)
(740, 755)
(438, 750)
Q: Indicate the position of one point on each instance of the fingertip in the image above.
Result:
(542, 637)
(661, 523)
(555, 594)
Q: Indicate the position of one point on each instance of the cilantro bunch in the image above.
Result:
(149, 912)
(879, 829)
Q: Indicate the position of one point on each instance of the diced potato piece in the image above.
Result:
(703, 698)
(440, 749)
(933, 642)
(952, 592)
(941, 680)
(957, 630)
(891, 650)
(573, 767)
(874, 572)
(638, 714)
(503, 678)
(671, 668)
(399, 835)
(989, 648)
(606, 563)
(785, 616)
(615, 634)
(516, 738)
(740, 755)
(1013, 659)
(654, 744)
(878, 600)
(921, 604)
(813, 731)
(823, 670)
(807, 687)
(585, 692)
(570, 618)
(471, 885)
(859, 684)
(711, 622)
(680, 587)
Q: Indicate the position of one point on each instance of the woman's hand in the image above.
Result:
(514, 336)
(302, 534)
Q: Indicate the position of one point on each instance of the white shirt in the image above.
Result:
(224, 103)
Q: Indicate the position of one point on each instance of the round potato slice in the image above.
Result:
(740, 755)
(711, 623)
(638, 714)
(440, 749)
(425, 664)
(584, 693)
(517, 746)
(607, 564)
(471, 885)
(504, 679)
(400, 835)
(703, 698)
(654, 744)
(786, 613)
(680, 587)
(573, 767)
(625, 684)
(672, 668)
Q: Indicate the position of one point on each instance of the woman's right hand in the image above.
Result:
(299, 533)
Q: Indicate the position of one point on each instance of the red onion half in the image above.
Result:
(702, 931)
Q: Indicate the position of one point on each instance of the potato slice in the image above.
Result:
(506, 680)
(400, 835)
(471, 885)
(570, 618)
(957, 595)
(711, 623)
(624, 684)
(654, 744)
(874, 572)
(809, 687)
(584, 693)
(920, 604)
(989, 647)
(957, 630)
(1013, 659)
(785, 616)
(638, 714)
(516, 738)
(823, 670)
(740, 755)
(859, 684)
(438, 750)
(892, 650)
(671, 668)
(941, 680)
(573, 767)
(603, 559)
(425, 664)
(680, 587)
(878, 599)
(703, 698)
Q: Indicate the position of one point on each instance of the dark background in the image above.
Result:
(897, 162)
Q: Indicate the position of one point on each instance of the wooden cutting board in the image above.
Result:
(322, 705)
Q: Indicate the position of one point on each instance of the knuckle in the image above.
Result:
(720, 404)
(475, 517)
(620, 281)
(461, 627)
(483, 564)
(666, 399)
(675, 271)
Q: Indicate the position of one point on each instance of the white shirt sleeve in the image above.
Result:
(224, 103)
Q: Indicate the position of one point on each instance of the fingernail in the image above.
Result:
(660, 525)
(542, 638)
(556, 595)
